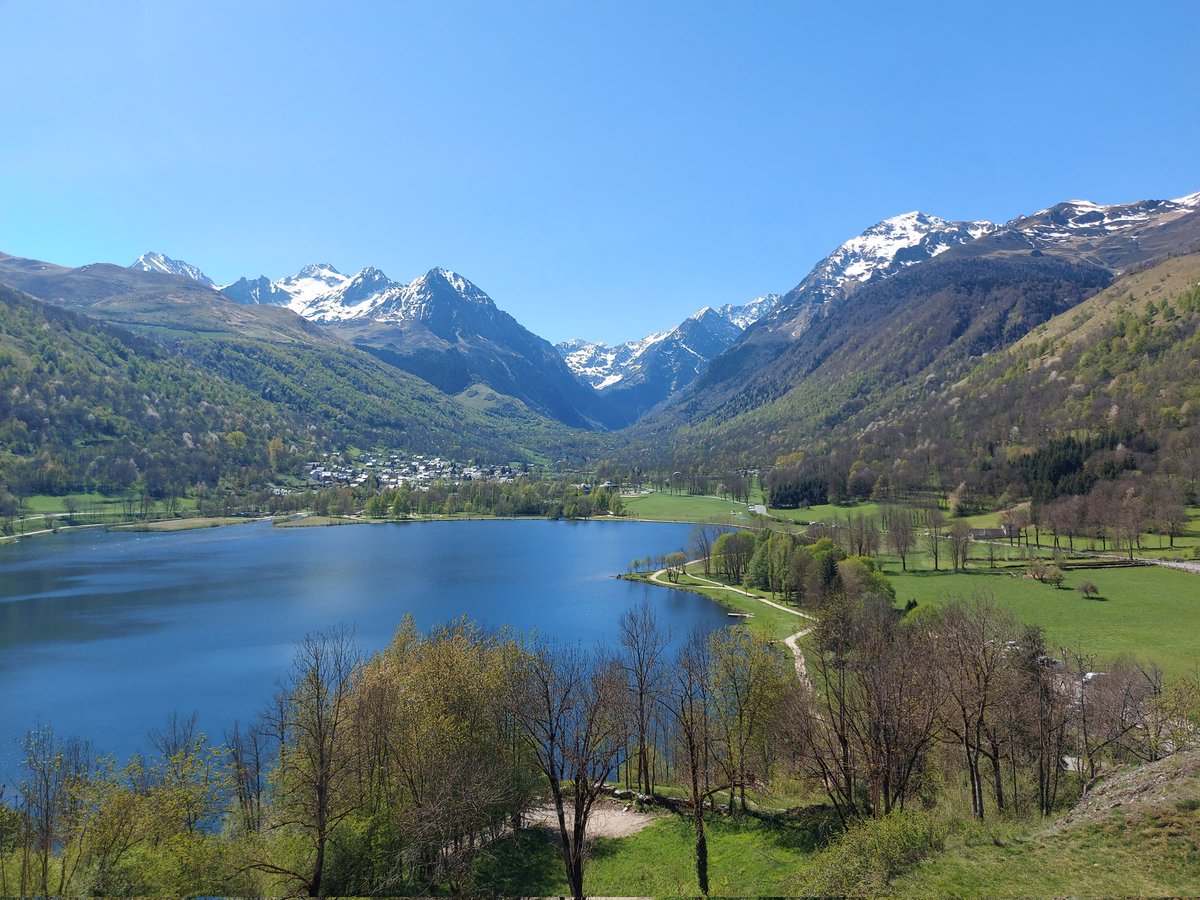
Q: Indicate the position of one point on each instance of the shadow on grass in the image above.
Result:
(522, 864)
(806, 828)
(943, 573)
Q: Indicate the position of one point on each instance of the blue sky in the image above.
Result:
(601, 169)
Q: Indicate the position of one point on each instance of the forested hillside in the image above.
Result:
(88, 406)
(886, 345)
(1105, 391)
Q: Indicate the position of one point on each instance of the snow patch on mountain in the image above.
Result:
(747, 314)
(1074, 220)
(310, 284)
(320, 293)
(886, 248)
(160, 262)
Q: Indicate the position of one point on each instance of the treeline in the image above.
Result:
(398, 774)
(555, 498)
(393, 775)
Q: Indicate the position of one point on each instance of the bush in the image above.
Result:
(864, 860)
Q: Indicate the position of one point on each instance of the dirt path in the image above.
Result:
(608, 819)
(792, 640)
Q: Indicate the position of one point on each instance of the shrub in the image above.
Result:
(864, 860)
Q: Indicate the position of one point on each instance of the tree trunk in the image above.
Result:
(701, 849)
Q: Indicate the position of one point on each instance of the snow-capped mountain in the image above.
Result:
(1115, 236)
(440, 327)
(916, 268)
(881, 251)
(748, 313)
(310, 284)
(602, 366)
(160, 262)
(260, 290)
(636, 375)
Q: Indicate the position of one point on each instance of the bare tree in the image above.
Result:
(645, 646)
(248, 761)
(689, 707)
(935, 530)
(317, 755)
(566, 704)
(960, 543)
(973, 636)
(901, 534)
(700, 543)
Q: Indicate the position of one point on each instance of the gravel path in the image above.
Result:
(608, 819)
(792, 640)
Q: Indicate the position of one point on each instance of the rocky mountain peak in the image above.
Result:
(154, 261)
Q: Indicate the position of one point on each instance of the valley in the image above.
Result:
(965, 428)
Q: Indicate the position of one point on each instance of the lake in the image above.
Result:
(104, 634)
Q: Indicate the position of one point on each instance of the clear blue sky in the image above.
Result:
(601, 169)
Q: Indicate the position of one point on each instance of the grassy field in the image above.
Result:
(838, 512)
(663, 507)
(1151, 612)
(747, 857)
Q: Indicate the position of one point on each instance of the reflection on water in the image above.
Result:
(104, 634)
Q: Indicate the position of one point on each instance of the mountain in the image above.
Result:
(310, 284)
(875, 255)
(141, 299)
(327, 390)
(259, 291)
(444, 329)
(747, 314)
(637, 375)
(160, 262)
(441, 328)
(1115, 237)
(1092, 395)
(880, 251)
(898, 331)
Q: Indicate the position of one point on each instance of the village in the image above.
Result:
(391, 470)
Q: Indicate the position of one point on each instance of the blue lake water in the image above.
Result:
(104, 634)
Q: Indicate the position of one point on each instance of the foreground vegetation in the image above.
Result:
(908, 735)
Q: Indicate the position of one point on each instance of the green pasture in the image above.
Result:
(1147, 611)
(657, 505)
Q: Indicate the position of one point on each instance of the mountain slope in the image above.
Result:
(328, 388)
(1104, 388)
(257, 291)
(445, 330)
(883, 345)
(810, 366)
(87, 406)
(878, 253)
(439, 327)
